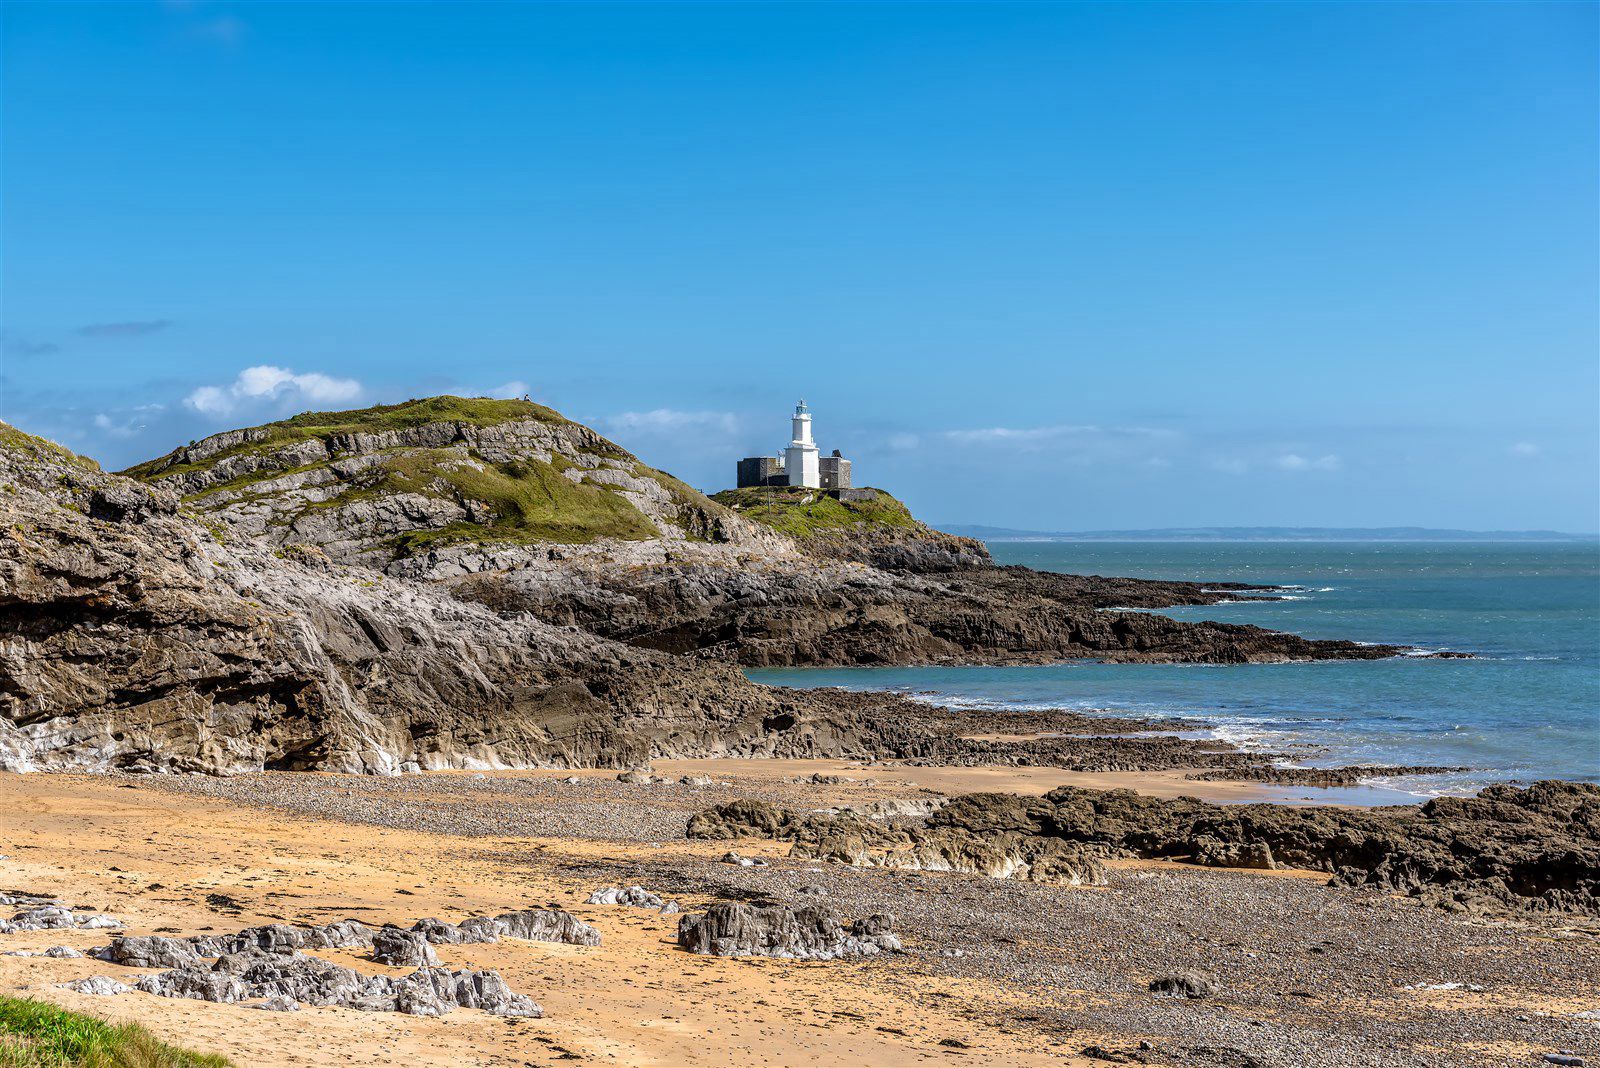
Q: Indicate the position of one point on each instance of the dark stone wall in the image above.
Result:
(835, 471)
(760, 471)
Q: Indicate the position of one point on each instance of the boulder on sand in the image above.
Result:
(1189, 984)
(811, 932)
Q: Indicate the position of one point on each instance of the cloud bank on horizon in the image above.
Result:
(1037, 266)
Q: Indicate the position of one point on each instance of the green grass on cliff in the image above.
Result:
(531, 501)
(522, 501)
(474, 411)
(28, 447)
(37, 1034)
(807, 513)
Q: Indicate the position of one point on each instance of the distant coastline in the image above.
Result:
(1270, 534)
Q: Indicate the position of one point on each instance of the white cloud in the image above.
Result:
(666, 420)
(1527, 450)
(1230, 465)
(266, 383)
(128, 423)
(1079, 445)
(1012, 435)
(508, 390)
(1295, 462)
(903, 442)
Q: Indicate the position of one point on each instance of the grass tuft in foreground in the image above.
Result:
(37, 1034)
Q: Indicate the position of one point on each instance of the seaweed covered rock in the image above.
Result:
(1535, 848)
(1212, 853)
(983, 835)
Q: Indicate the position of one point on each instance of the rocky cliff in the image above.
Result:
(509, 504)
(134, 636)
(388, 485)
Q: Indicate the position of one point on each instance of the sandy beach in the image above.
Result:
(997, 972)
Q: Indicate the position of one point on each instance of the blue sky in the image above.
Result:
(1047, 266)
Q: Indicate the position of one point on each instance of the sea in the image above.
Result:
(1526, 707)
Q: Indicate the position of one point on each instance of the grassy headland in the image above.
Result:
(806, 513)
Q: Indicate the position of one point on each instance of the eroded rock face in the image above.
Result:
(403, 949)
(55, 918)
(131, 638)
(277, 938)
(295, 977)
(152, 951)
(269, 962)
(534, 925)
(635, 896)
(775, 612)
(811, 932)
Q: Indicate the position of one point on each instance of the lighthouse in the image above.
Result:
(800, 459)
(800, 464)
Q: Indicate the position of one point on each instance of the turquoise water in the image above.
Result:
(1528, 707)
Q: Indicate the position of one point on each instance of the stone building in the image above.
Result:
(762, 471)
(799, 464)
(835, 471)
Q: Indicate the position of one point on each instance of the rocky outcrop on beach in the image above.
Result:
(1536, 848)
(301, 979)
(1351, 775)
(957, 845)
(810, 932)
(270, 962)
(53, 916)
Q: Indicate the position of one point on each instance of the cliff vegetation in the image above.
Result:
(803, 513)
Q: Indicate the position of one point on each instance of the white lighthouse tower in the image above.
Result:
(800, 458)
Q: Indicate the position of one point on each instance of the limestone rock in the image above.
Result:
(152, 951)
(55, 918)
(101, 985)
(810, 932)
(535, 925)
(135, 638)
(406, 949)
(636, 896)
(296, 978)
